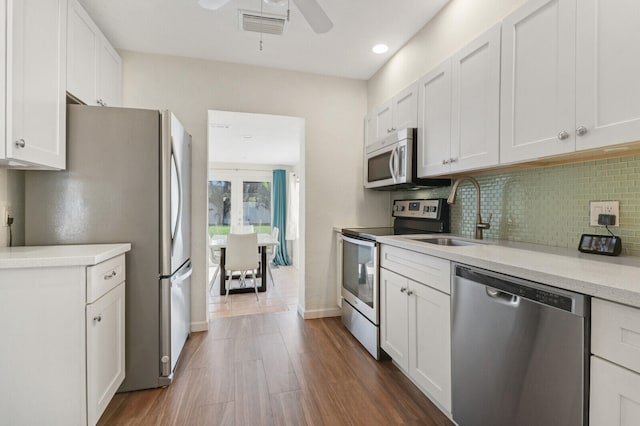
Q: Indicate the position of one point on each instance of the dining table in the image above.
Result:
(219, 242)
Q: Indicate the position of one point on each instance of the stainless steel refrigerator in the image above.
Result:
(128, 179)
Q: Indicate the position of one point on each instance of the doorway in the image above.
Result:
(244, 150)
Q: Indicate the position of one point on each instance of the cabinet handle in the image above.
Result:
(563, 135)
(445, 162)
(111, 275)
(403, 289)
(97, 318)
(20, 143)
(409, 293)
(581, 131)
(101, 102)
(453, 160)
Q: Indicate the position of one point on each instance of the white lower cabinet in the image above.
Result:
(415, 330)
(62, 358)
(615, 395)
(105, 351)
(615, 364)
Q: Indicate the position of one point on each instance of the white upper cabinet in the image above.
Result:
(538, 87)
(607, 73)
(459, 108)
(398, 113)
(94, 67)
(35, 84)
(434, 121)
(475, 105)
(3, 75)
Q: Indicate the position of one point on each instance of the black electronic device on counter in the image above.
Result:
(609, 245)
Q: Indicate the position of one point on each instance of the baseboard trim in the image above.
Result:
(199, 326)
(321, 313)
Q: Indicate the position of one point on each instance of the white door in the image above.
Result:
(394, 335)
(105, 351)
(83, 39)
(383, 117)
(36, 75)
(475, 104)
(537, 83)
(607, 71)
(434, 122)
(615, 395)
(109, 75)
(430, 341)
(405, 108)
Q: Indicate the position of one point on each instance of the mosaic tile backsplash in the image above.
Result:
(548, 205)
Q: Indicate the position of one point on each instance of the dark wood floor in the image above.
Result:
(277, 369)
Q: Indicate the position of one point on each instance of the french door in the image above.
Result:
(239, 200)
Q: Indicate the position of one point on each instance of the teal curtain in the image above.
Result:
(280, 215)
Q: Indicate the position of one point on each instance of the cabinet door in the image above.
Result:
(537, 108)
(370, 135)
(394, 316)
(434, 122)
(109, 75)
(105, 351)
(475, 104)
(384, 120)
(607, 70)
(614, 396)
(405, 108)
(430, 341)
(36, 81)
(83, 39)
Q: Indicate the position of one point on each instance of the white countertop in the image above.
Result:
(63, 255)
(612, 278)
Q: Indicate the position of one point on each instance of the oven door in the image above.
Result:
(360, 276)
(387, 166)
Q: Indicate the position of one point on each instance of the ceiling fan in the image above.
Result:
(310, 9)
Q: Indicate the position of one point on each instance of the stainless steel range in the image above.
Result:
(360, 266)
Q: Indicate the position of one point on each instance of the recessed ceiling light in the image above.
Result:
(246, 136)
(380, 48)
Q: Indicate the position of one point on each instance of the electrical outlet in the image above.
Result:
(604, 207)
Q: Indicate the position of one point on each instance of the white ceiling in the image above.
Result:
(237, 137)
(182, 28)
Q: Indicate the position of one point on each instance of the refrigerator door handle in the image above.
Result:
(180, 278)
(175, 225)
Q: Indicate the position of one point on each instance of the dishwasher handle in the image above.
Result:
(502, 297)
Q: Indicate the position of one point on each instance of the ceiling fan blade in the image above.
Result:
(315, 16)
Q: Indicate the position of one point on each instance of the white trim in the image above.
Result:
(199, 326)
(320, 313)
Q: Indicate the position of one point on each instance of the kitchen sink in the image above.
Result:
(442, 241)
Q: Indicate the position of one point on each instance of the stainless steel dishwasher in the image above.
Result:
(518, 351)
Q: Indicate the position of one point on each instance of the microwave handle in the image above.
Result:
(393, 164)
(396, 164)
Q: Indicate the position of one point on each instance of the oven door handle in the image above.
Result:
(359, 242)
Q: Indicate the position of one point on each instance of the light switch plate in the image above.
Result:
(604, 207)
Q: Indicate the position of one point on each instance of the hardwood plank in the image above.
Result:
(275, 358)
(215, 414)
(293, 409)
(252, 404)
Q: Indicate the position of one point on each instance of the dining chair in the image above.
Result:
(214, 259)
(240, 256)
(242, 229)
(271, 252)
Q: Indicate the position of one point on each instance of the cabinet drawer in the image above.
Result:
(104, 276)
(615, 333)
(425, 269)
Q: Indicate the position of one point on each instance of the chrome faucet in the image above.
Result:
(452, 199)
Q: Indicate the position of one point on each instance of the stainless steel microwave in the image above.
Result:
(391, 164)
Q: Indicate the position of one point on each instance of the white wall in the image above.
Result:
(333, 109)
(459, 22)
